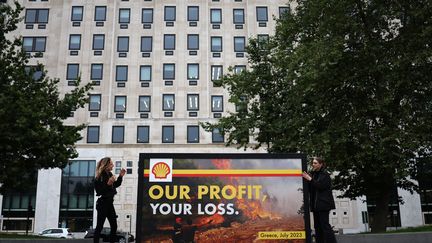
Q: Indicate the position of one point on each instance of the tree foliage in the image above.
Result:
(347, 80)
(32, 112)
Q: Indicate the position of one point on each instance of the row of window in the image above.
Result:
(169, 42)
(38, 44)
(144, 103)
(143, 134)
(145, 72)
(216, 14)
(40, 16)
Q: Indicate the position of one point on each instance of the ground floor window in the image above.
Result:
(77, 195)
(17, 225)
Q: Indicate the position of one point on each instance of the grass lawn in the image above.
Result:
(424, 228)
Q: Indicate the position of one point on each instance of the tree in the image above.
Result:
(32, 113)
(346, 80)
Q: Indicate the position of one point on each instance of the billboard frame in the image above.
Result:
(144, 156)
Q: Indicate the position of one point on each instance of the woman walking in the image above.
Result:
(105, 187)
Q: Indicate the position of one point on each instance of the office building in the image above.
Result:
(153, 64)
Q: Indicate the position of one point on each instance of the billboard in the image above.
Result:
(222, 197)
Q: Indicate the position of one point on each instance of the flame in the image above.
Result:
(251, 209)
(222, 163)
(256, 209)
(211, 220)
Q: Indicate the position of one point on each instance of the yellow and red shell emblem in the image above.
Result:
(161, 170)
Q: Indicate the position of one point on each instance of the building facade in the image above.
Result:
(153, 65)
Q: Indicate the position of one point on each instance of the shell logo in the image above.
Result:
(161, 170)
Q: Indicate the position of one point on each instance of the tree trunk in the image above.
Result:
(379, 222)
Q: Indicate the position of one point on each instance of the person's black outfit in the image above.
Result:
(188, 233)
(321, 202)
(177, 237)
(104, 204)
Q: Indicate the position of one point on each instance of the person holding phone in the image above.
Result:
(105, 187)
(321, 200)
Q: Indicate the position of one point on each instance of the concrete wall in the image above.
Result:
(410, 210)
(47, 199)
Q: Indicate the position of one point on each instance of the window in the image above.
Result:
(217, 103)
(118, 134)
(94, 102)
(98, 42)
(120, 104)
(216, 72)
(239, 44)
(283, 11)
(121, 73)
(263, 40)
(241, 105)
(193, 42)
(77, 178)
(74, 42)
(239, 68)
(238, 16)
(118, 165)
(169, 71)
(216, 16)
(167, 134)
(193, 71)
(100, 13)
(216, 44)
(124, 15)
(145, 73)
(123, 44)
(35, 71)
(193, 102)
(261, 14)
(144, 104)
(142, 134)
(193, 13)
(147, 16)
(170, 13)
(36, 16)
(18, 201)
(72, 72)
(77, 13)
(146, 43)
(34, 44)
(169, 42)
(193, 134)
(168, 102)
(93, 134)
(217, 137)
(96, 72)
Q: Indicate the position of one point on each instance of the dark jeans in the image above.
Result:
(105, 209)
(323, 231)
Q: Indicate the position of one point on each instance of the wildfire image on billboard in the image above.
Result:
(223, 200)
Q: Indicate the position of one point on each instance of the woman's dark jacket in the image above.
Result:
(320, 189)
(103, 189)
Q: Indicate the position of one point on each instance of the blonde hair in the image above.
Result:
(101, 166)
